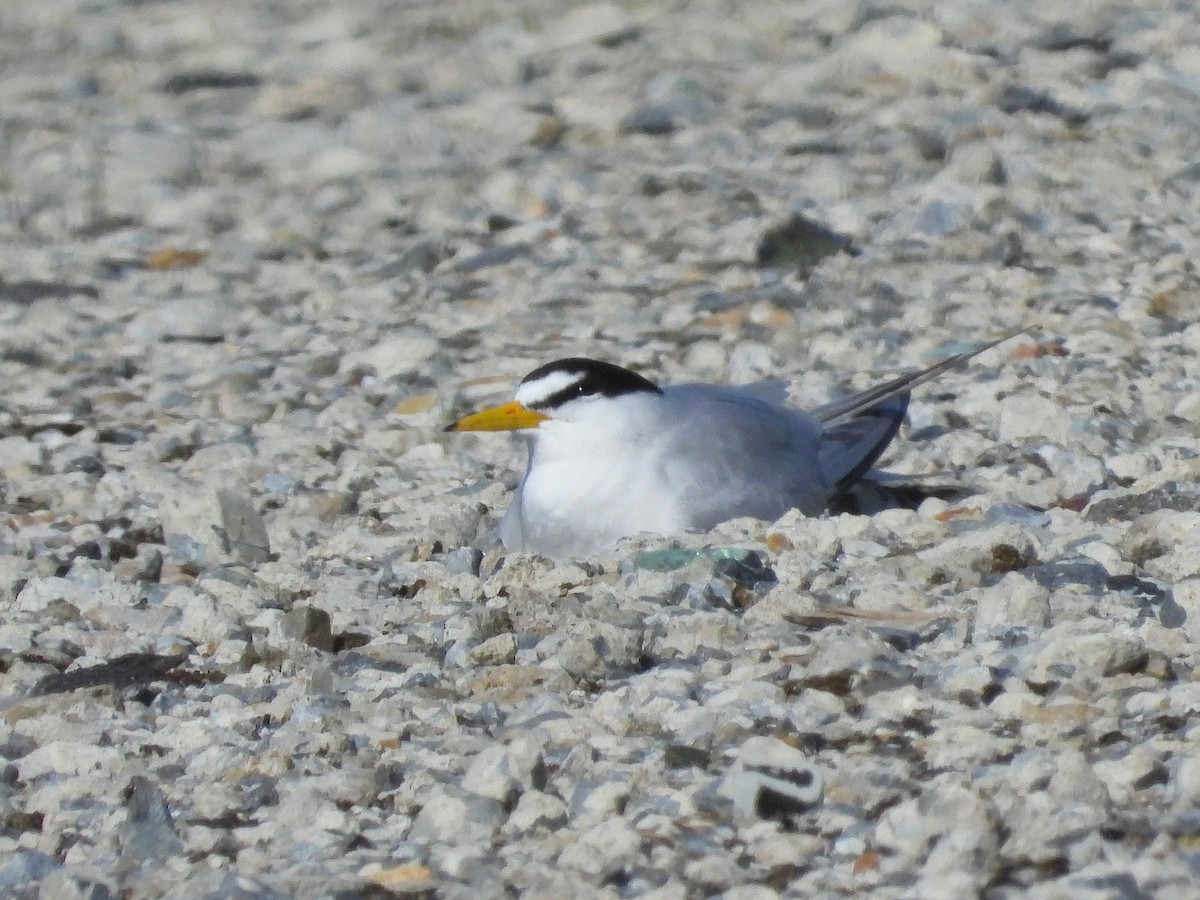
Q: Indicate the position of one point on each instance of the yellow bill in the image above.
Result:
(507, 417)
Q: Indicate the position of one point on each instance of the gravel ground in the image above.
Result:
(256, 634)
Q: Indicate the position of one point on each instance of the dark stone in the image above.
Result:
(679, 756)
(1062, 38)
(1016, 98)
(208, 80)
(801, 243)
(245, 532)
(89, 465)
(1076, 570)
(653, 119)
(1176, 495)
(749, 571)
(24, 293)
(1007, 558)
(122, 672)
(309, 625)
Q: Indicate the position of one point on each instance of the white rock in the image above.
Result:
(135, 157)
(1187, 595)
(203, 619)
(536, 812)
(602, 849)
(456, 816)
(1025, 416)
(1075, 781)
(1013, 602)
(503, 772)
(67, 757)
(1128, 773)
(497, 650)
(83, 589)
(398, 354)
(588, 23)
(596, 801)
(1187, 781)
(19, 456)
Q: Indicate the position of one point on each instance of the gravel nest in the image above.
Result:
(256, 634)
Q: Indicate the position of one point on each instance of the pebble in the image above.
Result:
(771, 779)
(199, 319)
(455, 816)
(1014, 602)
(603, 850)
(309, 625)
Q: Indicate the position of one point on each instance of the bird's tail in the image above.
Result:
(859, 428)
(841, 410)
(849, 448)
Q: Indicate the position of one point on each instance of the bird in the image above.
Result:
(611, 454)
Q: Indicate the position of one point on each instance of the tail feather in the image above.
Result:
(864, 401)
(859, 428)
(849, 449)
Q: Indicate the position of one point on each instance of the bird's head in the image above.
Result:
(564, 390)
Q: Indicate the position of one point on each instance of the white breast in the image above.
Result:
(590, 483)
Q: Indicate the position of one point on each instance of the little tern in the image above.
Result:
(611, 454)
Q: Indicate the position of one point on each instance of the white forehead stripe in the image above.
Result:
(531, 393)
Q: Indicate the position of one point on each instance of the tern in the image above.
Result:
(612, 454)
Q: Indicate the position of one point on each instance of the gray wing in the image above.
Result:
(735, 455)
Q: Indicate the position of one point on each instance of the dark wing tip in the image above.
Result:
(849, 449)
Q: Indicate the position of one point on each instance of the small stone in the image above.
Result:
(603, 23)
(1187, 781)
(495, 651)
(603, 849)
(457, 816)
(148, 564)
(413, 878)
(87, 884)
(399, 354)
(199, 320)
(309, 625)
(245, 531)
(136, 157)
(207, 80)
(596, 800)
(536, 812)
(771, 779)
(1126, 506)
(464, 561)
(652, 119)
(171, 258)
(1135, 770)
(149, 832)
(1013, 602)
(678, 756)
(89, 465)
(1023, 416)
(66, 758)
(800, 243)
(504, 772)
(20, 455)
(24, 867)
